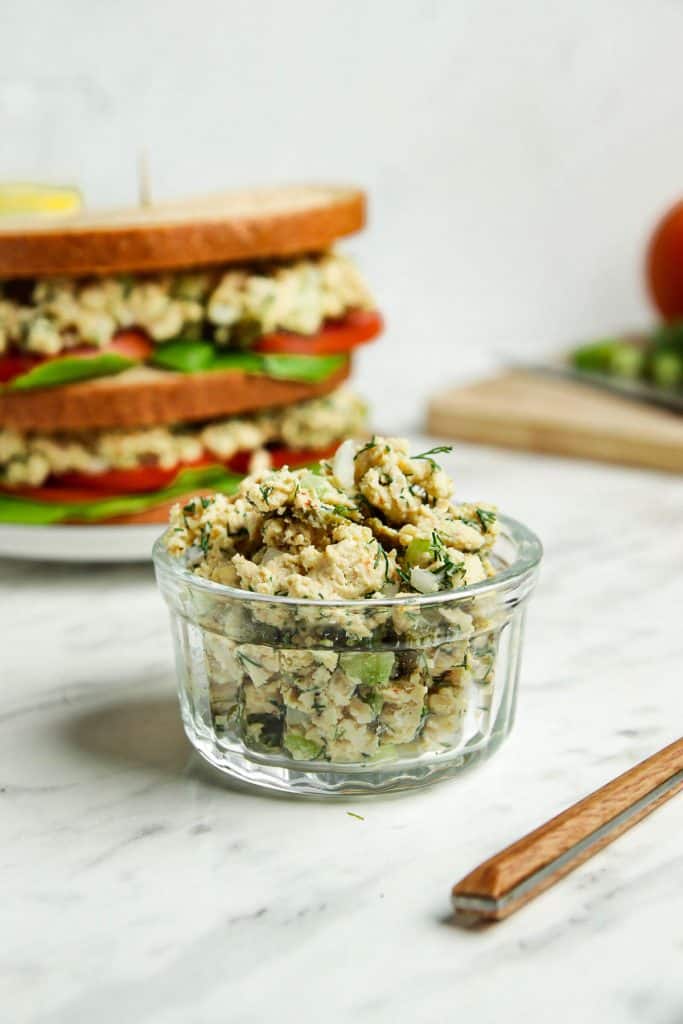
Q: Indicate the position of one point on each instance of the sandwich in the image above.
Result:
(165, 351)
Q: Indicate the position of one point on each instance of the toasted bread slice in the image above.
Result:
(225, 228)
(146, 397)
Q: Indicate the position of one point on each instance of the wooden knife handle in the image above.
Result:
(518, 873)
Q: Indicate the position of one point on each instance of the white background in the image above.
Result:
(516, 154)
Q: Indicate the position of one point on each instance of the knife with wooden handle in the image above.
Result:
(520, 872)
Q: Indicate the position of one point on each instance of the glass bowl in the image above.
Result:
(341, 697)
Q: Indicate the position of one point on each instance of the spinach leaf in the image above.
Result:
(186, 356)
(305, 368)
(68, 369)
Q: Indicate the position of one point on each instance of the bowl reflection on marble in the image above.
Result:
(340, 697)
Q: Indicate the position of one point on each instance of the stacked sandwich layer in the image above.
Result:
(135, 369)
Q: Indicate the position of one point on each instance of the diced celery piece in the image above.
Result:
(667, 368)
(595, 357)
(301, 748)
(316, 483)
(368, 669)
(418, 547)
(627, 361)
(387, 752)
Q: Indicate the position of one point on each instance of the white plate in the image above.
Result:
(79, 543)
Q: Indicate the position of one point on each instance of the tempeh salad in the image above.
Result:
(361, 623)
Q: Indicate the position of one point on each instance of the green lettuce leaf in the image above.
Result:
(29, 511)
(248, 362)
(181, 356)
(305, 368)
(186, 356)
(67, 370)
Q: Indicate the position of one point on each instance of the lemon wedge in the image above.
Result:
(19, 198)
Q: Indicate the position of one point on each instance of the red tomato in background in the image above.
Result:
(665, 264)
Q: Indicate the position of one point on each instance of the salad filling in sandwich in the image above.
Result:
(102, 475)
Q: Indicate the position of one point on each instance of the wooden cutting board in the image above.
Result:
(539, 414)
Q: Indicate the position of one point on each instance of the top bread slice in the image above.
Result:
(225, 228)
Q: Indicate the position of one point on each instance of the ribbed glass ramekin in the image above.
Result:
(332, 698)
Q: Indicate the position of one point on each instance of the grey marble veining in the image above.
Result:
(138, 887)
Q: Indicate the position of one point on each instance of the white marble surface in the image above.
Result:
(137, 887)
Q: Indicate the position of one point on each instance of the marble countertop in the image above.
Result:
(138, 887)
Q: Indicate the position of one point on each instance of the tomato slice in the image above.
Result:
(132, 344)
(78, 487)
(14, 364)
(138, 480)
(335, 338)
(281, 456)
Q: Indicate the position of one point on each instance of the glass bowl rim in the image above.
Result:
(529, 554)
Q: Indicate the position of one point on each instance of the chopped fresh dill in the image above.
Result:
(438, 547)
(206, 502)
(366, 447)
(440, 551)
(405, 576)
(345, 511)
(382, 553)
(266, 492)
(486, 518)
(250, 661)
(358, 817)
(205, 538)
(439, 449)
